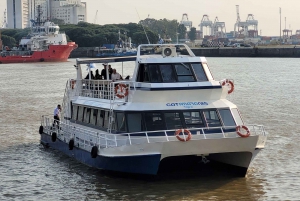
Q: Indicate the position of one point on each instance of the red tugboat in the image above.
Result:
(44, 44)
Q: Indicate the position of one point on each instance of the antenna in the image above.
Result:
(95, 20)
(143, 27)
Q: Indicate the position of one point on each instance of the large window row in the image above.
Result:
(168, 73)
(156, 120)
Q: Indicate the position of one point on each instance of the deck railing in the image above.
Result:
(87, 138)
(102, 89)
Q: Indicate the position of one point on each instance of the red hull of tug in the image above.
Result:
(55, 53)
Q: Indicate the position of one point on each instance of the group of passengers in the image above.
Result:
(112, 73)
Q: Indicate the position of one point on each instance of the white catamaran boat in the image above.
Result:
(170, 113)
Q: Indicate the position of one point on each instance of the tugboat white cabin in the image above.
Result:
(171, 110)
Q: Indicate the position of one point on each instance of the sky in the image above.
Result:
(125, 11)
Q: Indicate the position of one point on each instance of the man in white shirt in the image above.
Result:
(115, 76)
(56, 114)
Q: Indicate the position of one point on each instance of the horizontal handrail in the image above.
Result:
(85, 137)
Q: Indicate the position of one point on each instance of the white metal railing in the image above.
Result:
(102, 89)
(85, 138)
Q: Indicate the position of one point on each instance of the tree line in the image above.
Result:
(94, 35)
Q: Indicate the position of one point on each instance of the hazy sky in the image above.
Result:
(265, 11)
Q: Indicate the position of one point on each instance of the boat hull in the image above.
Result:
(55, 53)
(151, 159)
(142, 164)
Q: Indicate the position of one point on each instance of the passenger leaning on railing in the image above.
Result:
(115, 76)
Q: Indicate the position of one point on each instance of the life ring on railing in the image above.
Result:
(71, 144)
(121, 90)
(94, 152)
(228, 82)
(185, 131)
(238, 131)
(41, 129)
(53, 136)
(72, 83)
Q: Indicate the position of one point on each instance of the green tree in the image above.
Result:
(192, 34)
(181, 31)
(58, 21)
(8, 41)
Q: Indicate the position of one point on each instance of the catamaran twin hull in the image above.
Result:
(147, 158)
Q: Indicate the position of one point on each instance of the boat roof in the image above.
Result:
(146, 52)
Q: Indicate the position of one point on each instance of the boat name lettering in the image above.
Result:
(187, 103)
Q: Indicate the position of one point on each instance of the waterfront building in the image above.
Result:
(18, 14)
(71, 11)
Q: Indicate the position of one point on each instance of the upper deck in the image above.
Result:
(163, 75)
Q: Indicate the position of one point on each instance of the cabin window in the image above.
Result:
(154, 73)
(193, 119)
(80, 113)
(93, 118)
(135, 122)
(143, 74)
(87, 115)
(199, 72)
(106, 118)
(121, 123)
(212, 119)
(227, 117)
(154, 121)
(184, 73)
(167, 73)
(74, 112)
(237, 117)
(100, 118)
(173, 120)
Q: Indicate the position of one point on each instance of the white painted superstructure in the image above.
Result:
(171, 108)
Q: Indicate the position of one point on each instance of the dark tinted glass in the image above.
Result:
(200, 74)
(227, 117)
(154, 121)
(173, 120)
(154, 73)
(183, 69)
(167, 73)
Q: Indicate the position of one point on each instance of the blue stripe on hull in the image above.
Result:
(142, 164)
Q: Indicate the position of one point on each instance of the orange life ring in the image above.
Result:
(238, 131)
(121, 90)
(73, 82)
(185, 131)
(229, 83)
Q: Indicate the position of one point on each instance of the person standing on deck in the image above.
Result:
(115, 76)
(56, 114)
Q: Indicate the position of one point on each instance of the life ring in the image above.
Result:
(41, 129)
(53, 137)
(229, 82)
(71, 144)
(73, 82)
(185, 131)
(238, 131)
(94, 152)
(123, 90)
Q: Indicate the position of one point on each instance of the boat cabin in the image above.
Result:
(168, 90)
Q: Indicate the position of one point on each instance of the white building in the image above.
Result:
(18, 14)
(71, 11)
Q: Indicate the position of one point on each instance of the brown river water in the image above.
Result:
(266, 92)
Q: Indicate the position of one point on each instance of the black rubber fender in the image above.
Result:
(41, 129)
(71, 144)
(42, 59)
(94, 152)
(53, 136)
